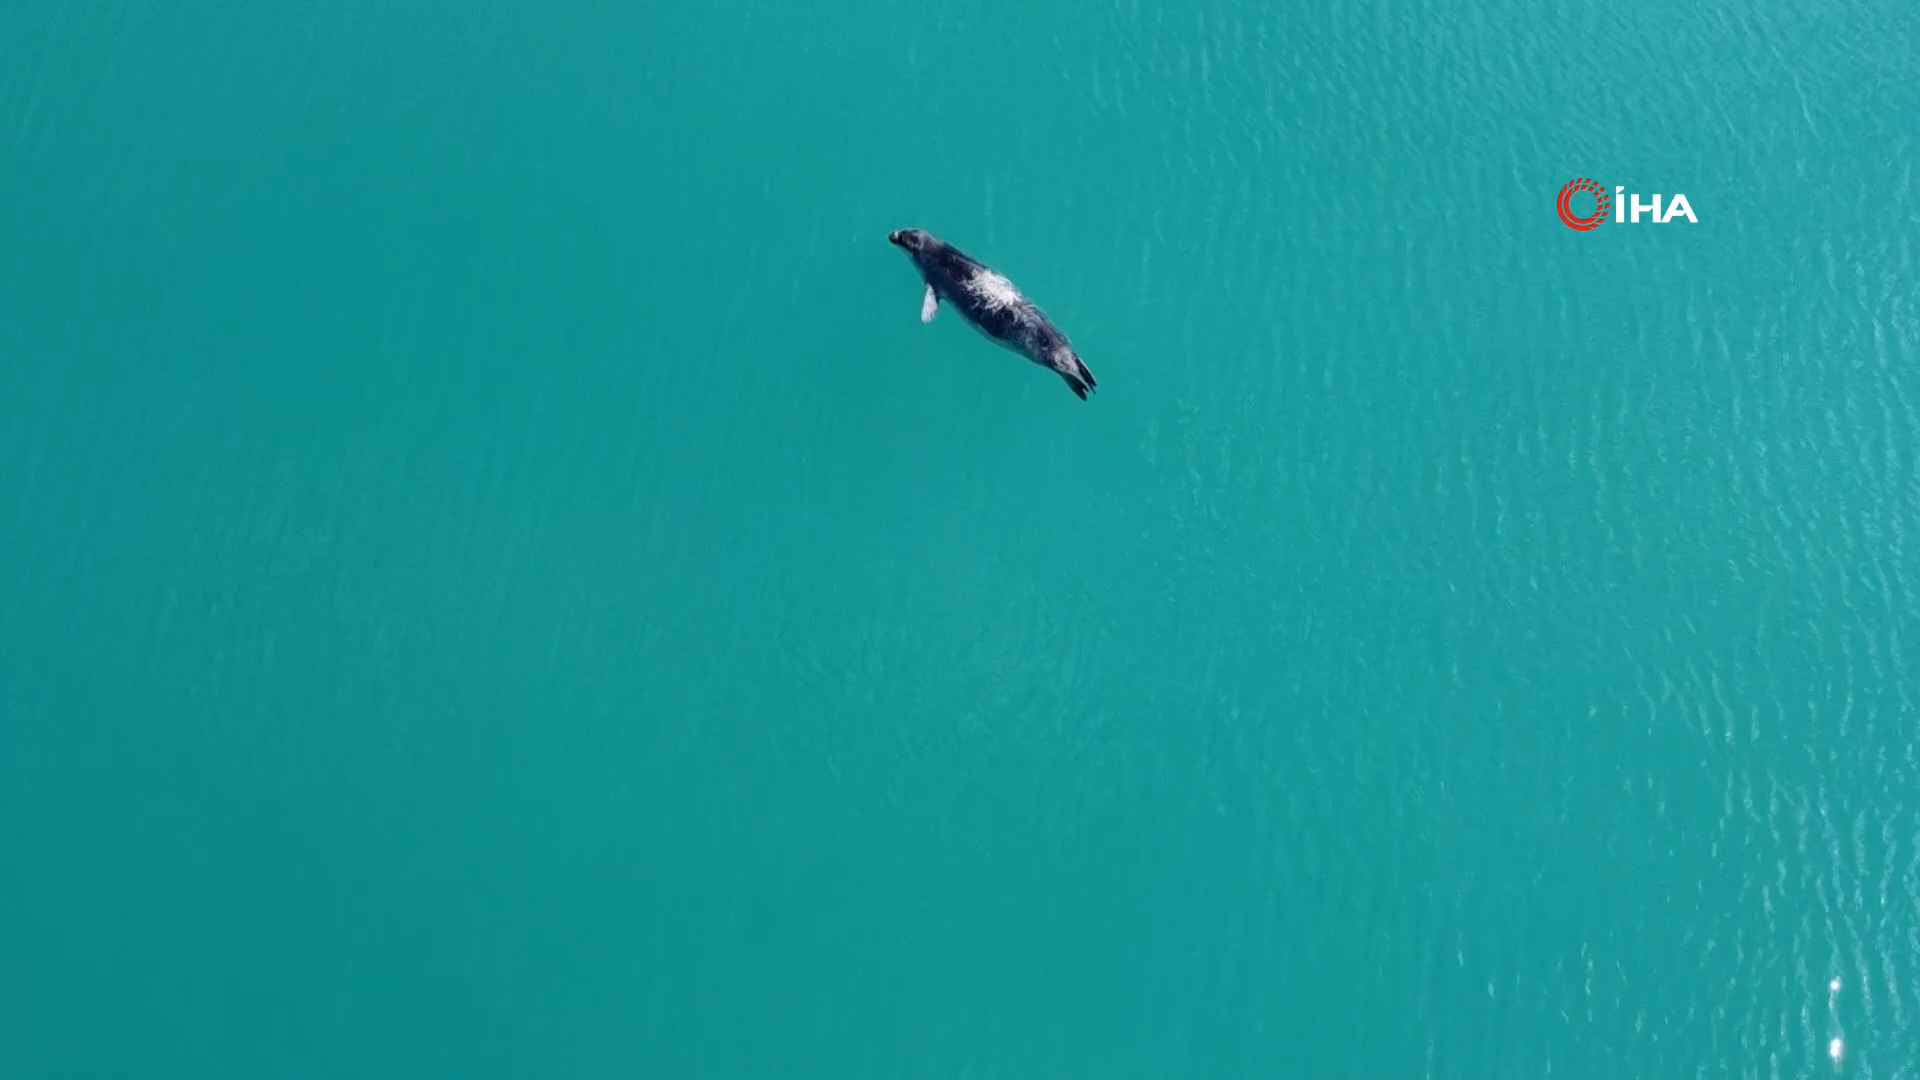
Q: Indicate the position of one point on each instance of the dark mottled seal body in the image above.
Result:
(991, 305)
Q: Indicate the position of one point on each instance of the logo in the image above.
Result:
(1581, 224)
(1619, 207)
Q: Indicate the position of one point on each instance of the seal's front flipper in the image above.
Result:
(929, 305)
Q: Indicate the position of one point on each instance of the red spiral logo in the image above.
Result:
(1580, 224)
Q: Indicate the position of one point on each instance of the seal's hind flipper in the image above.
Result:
(1074, 370)
(929, 305)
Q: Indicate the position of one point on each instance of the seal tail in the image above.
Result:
(1078, 377)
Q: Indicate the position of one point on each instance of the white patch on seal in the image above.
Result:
(996, 292)
(929, 305)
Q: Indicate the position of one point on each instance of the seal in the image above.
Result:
(990, 304)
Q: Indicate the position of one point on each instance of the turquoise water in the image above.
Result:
(496, 579)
